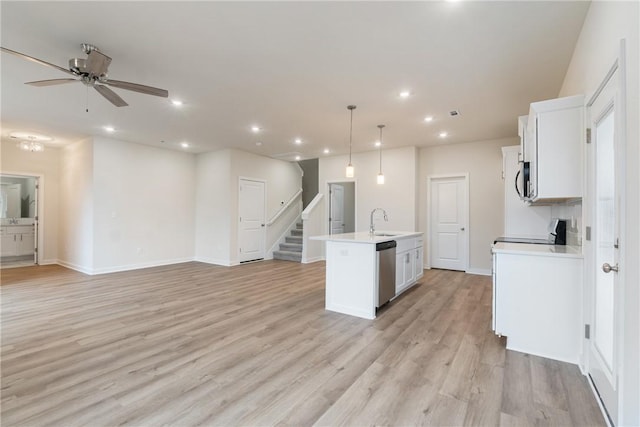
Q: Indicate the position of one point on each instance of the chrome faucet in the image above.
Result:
(372, 228)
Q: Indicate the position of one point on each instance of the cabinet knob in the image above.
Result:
(461, 228)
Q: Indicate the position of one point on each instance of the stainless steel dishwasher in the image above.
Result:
(386, 260)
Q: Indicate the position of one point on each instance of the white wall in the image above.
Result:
(75, 245)
(46, 163)
(596, 50)
(218, 175)
(213, 216)
(483, 161)
(396, 195)
(144, 205)
(283, 180)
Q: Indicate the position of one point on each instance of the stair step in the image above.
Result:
(292, 247)
(293, 239)
(288, 256)
(296, 232)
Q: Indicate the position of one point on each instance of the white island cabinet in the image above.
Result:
(537, 299)
(352, 271)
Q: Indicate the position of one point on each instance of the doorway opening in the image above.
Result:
(342, 207)
(19, 222)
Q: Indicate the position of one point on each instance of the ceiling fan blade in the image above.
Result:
(111, 96)
(51, 82)
(97, 63)
(36, 60)
(147, 90)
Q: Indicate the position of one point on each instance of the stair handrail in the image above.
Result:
(311, 206)
(284, 208)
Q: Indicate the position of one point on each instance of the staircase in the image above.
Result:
(291, 250)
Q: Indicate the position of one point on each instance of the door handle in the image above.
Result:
(607, 268)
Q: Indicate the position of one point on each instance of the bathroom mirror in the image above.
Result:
(17, 197)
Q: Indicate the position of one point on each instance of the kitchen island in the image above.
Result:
(352, 269)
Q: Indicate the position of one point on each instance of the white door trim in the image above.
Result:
(327, 206)
(264, 216)
(39, 212)
(430, 178)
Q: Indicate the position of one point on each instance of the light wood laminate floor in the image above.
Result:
(194, 344)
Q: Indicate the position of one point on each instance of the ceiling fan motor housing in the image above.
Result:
(78, 66)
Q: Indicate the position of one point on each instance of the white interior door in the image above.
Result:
(251, 239)
(36, 222)
(605, 328)
(336, 214)
(448, 214)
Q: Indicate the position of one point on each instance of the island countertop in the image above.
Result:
(365, 237)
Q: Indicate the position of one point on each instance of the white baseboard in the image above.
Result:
(75, 267)
(128, 267)
(313, 259)
(215, 261)
(48, 262)
(479, 271)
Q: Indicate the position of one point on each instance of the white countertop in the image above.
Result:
(540, 250)
(365, 237)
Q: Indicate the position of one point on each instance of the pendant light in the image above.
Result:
(350, 173)
(380, 175)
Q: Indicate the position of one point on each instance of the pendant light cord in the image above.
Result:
(351, 108)
(380, 126)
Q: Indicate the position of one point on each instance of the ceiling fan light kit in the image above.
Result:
(91, 71)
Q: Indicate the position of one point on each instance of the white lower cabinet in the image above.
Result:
(409, 263)
(17, 240)
(537, 302)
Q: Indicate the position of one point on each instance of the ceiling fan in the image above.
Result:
(91, 71)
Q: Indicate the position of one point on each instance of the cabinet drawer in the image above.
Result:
(19, 229)
(404, 245)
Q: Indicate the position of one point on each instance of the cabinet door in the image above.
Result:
(25, 244)
(400, 282)
(409, 267)
(419, 263)
(8, 245)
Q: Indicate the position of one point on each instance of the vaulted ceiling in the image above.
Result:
(290, 68)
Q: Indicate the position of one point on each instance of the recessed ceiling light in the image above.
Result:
(378, 143)
(255, 129)
(297, 157)
(184, 144)
(443, 134)
(298, 141)
(326, 151)
(258, 143)
(428, 119)
(405, 94)
(176, 102)
(109, 128)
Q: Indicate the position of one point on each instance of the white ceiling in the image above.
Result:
(290, 67)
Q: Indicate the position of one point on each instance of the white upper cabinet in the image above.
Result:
(553, 141)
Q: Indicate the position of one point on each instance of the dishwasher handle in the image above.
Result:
(385, 245)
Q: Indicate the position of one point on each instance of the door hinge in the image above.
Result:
(617, 243)
(240, 219)
(35, 250)
(587, 233)
(588, 135)
(587, 331)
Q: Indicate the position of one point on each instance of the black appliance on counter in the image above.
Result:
(559, 231)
